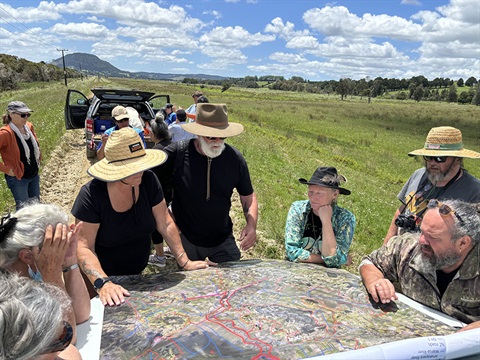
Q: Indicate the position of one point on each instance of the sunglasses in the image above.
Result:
(211, 138)
(444, 209)
(122, 120)
(61, 343)
(437, 159)
(24, 115)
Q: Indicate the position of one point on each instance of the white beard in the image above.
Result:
(209, 148)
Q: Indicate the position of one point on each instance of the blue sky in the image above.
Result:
(317, 40)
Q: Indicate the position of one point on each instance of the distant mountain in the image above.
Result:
(91, 64)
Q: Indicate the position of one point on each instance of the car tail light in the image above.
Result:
(89, 124)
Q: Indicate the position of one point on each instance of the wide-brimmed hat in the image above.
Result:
(445, 141)
(18, 106)
(212, 120)
(120, 112)
(125, 156)
(327, 177)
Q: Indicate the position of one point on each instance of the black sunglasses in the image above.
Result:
(24, 115)
(122, 120)
(444, 209)
(437, 159)
(211, 138)
(61, 343)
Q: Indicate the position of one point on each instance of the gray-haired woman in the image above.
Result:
(36, 242)
(33, 320)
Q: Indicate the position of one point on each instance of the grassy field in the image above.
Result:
(288, 134)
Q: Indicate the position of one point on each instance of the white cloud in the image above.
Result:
(81, 31)
(338, 21)
(95, 19)
(216, 14)
(411, 2)
(233, 37)
(284, 30)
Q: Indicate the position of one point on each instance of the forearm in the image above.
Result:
(393, 229)
(101, 152)
(89, 263)
(329, 242)
(172, 238)
(250, 210)
(314, 259)
(370, 274)
(76, 289)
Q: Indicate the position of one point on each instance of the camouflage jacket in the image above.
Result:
(400, 262)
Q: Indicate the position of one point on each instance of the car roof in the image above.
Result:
(111, 94)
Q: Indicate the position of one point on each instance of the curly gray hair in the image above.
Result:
(31, 314)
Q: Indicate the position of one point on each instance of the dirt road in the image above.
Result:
(66, 171)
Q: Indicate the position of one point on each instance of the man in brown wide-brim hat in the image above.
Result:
(205, 172)
(442, 177)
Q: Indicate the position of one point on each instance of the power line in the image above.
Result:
(28, 32)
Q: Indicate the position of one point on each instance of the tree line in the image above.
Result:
(14, 70)
(417, 88)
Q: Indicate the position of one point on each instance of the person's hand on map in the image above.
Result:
(112, 294)
(197, 265)
(248, 237)
(382, 290)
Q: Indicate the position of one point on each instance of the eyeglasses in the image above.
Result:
(437, 159)
(211, 138)
(24, 115)
(444, 209)
(122, 120)
(61, 343)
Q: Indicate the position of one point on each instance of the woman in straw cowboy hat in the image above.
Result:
(317, 230)
(120, 208)
(442, 177)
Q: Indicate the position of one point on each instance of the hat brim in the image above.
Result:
(465, 153)
(119, 170)
(343, 191)
(23, 110)
(232, 129)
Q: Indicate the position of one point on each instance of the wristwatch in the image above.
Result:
(98, 284)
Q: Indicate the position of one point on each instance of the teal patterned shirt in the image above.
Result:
(299, 248)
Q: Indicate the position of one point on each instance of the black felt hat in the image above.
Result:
(327, 177)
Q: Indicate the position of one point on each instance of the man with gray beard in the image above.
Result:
(442, 177)
(438, 267)
(205, 172)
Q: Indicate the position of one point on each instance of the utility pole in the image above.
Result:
(64, 70)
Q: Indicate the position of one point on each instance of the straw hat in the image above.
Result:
(125, 156)
(445, 141)
(212, 120)
(327, 177)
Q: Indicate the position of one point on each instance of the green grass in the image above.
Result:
(288, 134)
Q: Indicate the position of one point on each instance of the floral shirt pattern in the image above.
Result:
(299, 248)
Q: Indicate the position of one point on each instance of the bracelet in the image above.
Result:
(179, 256)
(186, 262)
(71, 267)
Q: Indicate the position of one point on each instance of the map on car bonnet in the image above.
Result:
(253, 309)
